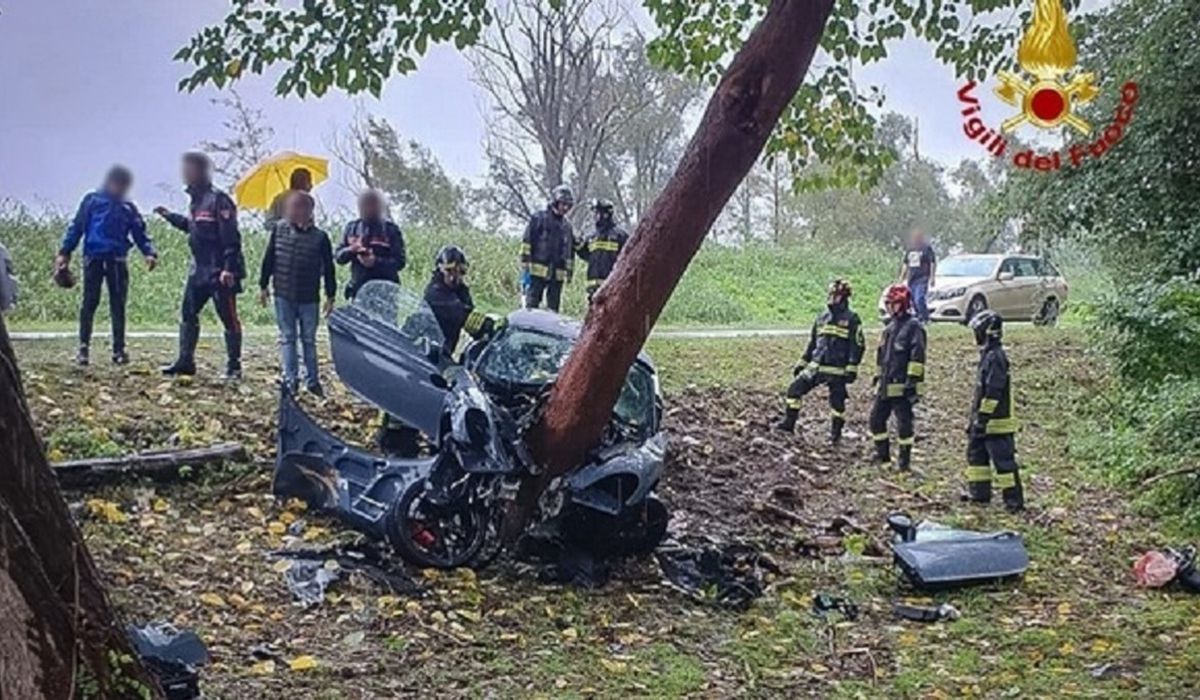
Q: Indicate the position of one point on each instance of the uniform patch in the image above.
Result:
(226, 213)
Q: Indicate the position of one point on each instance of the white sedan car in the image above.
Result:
(1018, 287)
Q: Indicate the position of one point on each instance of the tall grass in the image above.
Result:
(760, 284)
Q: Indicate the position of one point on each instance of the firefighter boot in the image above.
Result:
(883, 450)
(185, 363)
(979, 484)
(904, 463)
(835, 429)
(233, 356)
(788, 424)
(1011, 491)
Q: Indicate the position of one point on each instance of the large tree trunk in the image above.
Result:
(58, 631)
(757, 87)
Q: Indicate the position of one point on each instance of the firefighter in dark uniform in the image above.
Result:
(449, 297)
(900, 377)
(547, 250)
(601, 249)
(834, 351)
(217, 266)
(990, 441)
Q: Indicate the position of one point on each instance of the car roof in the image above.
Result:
(995, 256)
(550, 323)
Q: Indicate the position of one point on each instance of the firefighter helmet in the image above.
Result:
(987, 324)
(603, 206)
(451, 257)
(563, 194)
(899, 295)
(840, 288)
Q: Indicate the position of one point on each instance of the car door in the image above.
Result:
(386, 348)
(1031, 289)
(1004, 297)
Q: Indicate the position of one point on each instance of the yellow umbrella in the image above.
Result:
(259, 187)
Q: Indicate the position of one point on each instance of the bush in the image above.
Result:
(1146, 431)
(1152, 330)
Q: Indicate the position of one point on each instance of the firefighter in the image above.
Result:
(547, 250)
(899, 377)
(603, 247)
(990, 433)
(834, 350)
(449, 297)
(216, 270)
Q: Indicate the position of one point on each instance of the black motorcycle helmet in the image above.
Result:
(451, 257)
(987, 324)
(603, 207)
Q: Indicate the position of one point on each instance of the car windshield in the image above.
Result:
(390, 304)
(526, 357)
(966, 266)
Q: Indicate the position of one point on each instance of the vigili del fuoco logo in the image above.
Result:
(1046, 94)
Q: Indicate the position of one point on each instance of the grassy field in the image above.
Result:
(1075, 626)
(760, 285)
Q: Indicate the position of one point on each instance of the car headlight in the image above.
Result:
(951, 293)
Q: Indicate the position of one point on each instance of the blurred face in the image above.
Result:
(370, 208)
(298, 210)
(117, 189)
(834, 299)
(193, 173)
(918, 237)
(562, 208)
(894, 308)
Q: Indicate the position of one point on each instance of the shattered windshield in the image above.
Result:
(391, 304)
(522, 357)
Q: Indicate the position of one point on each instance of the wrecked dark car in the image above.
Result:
(445, 508)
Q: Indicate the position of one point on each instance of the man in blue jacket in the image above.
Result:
(217, 267)
(106, 223)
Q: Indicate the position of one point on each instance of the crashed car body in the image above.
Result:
(444, 509)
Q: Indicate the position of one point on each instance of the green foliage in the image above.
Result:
(354, 46)
(759, 284)
(1141, 431)
(1152, 330)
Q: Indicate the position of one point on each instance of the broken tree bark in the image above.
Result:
(744, 109)
(160, 465)
(59, 630)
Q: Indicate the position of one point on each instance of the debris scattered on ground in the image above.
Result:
(308, 572)
(173, 656)
(160, 465)
(934, 556)
(732, 575)
(926, 613)
(823, 604)
(1160, 568)
(576, 566)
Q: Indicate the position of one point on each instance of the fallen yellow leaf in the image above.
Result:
(212, 600)
(302, 663)
(263, 668)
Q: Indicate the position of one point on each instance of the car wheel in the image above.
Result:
(1048, 316)
(436, 535)
(978, 304)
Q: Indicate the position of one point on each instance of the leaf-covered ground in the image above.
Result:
(195, 552)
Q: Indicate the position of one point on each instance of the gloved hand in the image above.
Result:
(875, 382)
(851, 377)
(798, 369)
(526, 277)
(492, 325)
(976, 428)
(910, 393)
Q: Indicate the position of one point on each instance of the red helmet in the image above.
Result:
(898, 294)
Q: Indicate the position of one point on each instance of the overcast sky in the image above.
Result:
(87, 83)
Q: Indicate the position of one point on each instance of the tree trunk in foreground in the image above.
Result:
(58, 632)
(747, 104)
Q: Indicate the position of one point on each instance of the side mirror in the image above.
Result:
(1006, 276)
